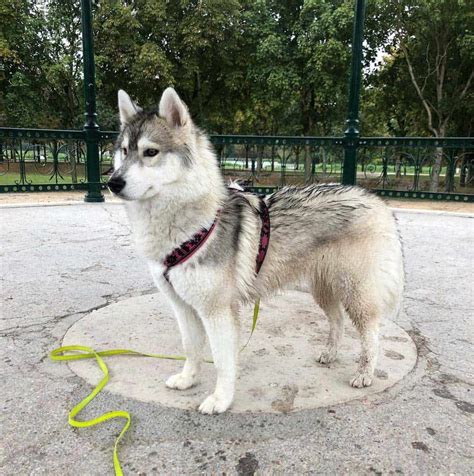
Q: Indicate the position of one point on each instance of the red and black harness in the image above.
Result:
(187, 249)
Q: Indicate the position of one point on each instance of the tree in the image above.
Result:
(389, 102)
(325, 31)
(245, 66)
(20, 52)
(435, 39)
(147, 45)
(62, 65)
(41, 58)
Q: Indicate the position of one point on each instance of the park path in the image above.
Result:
(58, 263)
(54, 198)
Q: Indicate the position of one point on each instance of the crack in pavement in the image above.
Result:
(55, 319)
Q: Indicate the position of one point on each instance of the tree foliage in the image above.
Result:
(243, 66)
(430, 47)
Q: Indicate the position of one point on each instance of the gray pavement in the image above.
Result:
(60, 263)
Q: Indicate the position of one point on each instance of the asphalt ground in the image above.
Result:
(59, 263)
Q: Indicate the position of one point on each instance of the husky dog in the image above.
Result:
(340, 240)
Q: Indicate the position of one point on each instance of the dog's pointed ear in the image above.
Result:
(127, 108)
(173, 109)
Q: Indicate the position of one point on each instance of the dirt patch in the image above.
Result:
(419, 445)
(78, 197)
(48, 198)
(441, 206)
(285, 404)
(394, 355)
(248, 465)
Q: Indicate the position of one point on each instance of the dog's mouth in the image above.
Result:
(145, 196)
(121, 196)
(150, 188)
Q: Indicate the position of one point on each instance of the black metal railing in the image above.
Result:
(53, 160)
(406, 167)
(44, 160)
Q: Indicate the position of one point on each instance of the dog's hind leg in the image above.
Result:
(221, 327)
(366, 320)
(335, 313)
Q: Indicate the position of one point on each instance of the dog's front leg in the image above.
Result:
(193, 335)
(193, 338)
(222, 331)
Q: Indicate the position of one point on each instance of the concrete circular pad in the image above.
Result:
(278, 369)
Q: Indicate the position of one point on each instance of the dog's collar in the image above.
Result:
(188, 248)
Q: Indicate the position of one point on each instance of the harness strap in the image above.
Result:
(264, 234)
(187, 249)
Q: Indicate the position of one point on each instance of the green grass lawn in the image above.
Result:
(35, 178)
(335, 168)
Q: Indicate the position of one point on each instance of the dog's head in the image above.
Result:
(154, 148)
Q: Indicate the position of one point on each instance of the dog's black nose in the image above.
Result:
(116, 184)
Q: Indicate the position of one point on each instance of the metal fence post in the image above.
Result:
(91, 128)
(351, 139)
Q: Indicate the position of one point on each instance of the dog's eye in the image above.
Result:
(150, 152)
(124, 151)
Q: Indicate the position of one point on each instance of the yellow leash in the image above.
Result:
(84, 352)
(256, 310)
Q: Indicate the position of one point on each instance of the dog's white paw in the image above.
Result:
(180, 381)
(328, 356)
(361, 380)
(214, 404)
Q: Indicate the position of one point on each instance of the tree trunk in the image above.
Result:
(307, 107)
(307, 165)
(436, 169)
(260, 149)
(73, 157)
(467, 169)
(398, 166)
(324, 160)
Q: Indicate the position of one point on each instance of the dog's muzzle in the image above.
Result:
(116, 184)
